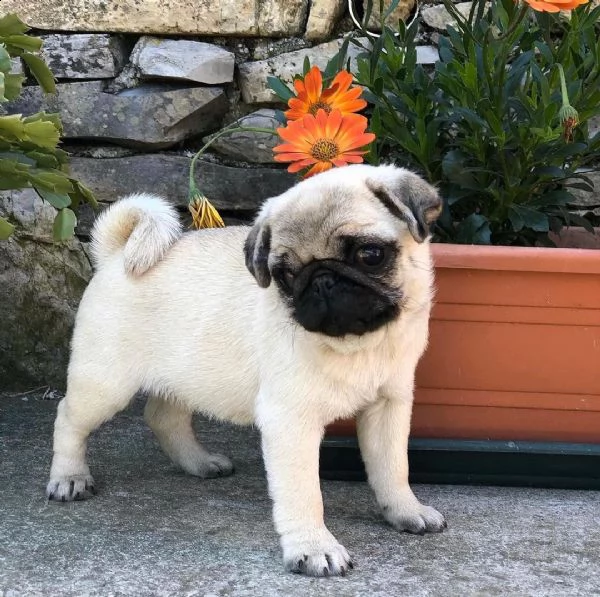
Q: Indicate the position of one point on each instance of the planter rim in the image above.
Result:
(522, 259)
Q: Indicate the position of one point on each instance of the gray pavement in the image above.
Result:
(153, 531)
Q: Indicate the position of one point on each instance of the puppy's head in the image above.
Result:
(338, 246)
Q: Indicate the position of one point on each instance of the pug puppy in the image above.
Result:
(330, 324)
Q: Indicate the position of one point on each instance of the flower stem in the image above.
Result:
(563, 85)
(227, 130)
(567, 111)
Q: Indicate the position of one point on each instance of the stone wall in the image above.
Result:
(140, 85)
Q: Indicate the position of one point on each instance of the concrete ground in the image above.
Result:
(153, 531)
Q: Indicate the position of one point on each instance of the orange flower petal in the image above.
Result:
(290, 156)
(333, 123)
(352, 125)
(347, 158)
(314, 84)
(297, 166)
(554, 5)
(338, 96)
(343, 80)
(311, 125)
(317, 168)
(295, 114)
(295, 133)
(542, 6)
(347, 107)
(296, 104)
(299, 86)
(353, 93)
(286, 147)
(358, 141)
(345, 131)
(321, 117)
(329, 93)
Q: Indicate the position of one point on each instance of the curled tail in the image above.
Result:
(142, 227)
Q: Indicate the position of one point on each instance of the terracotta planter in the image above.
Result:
(514, 349)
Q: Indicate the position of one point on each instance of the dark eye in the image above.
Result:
(370, 255)
(288, 278)
(285, 278)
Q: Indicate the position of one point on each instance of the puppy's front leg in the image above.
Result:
(291, 453)
(383, 430)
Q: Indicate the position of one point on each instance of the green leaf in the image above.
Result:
(11, 24)
(474, 230)
(454, 166)
(5, 61)
(516, 219)
(280, 117)
(6, 229)
(336, 63)
(549, 172)
(545, 51)
(42, 133)
(43, 159)
(558, 197)
(64, 225)
(52, 117)
(534, 219)
(57, 200)
(280, 88)
(52, 180)
(306, 66)
(11, 125)
(24, 42)
(80, 191)
(13, 85)
(378, 86)
(578, 220)
(390, 10)
(17, 157)
(39, 69)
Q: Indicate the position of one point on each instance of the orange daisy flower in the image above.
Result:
(554, 5)
(311, 97)
(323, 141)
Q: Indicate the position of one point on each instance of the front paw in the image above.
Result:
(315, 553)
(70, 488)
(411, 516)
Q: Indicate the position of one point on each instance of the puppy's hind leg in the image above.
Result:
(89, 402)
(172, 425)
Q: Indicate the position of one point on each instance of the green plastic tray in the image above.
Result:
(465, 462)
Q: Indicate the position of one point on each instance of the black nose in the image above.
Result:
(322, 283)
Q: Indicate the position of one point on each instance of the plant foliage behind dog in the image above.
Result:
(486, 125)
(29, 152)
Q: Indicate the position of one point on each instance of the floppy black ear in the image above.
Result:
(410, 199)
(256, 250)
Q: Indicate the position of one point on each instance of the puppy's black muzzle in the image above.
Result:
(335, 299)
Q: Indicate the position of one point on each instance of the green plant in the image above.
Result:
(496, 125)
(29, 153)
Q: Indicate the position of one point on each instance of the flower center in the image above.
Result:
(324, 150)
(314, 108)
